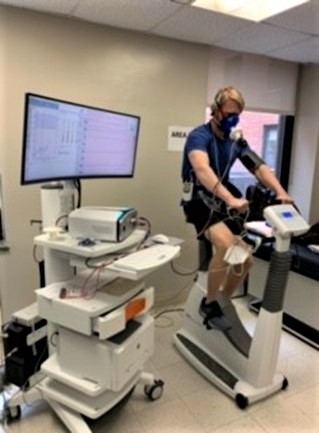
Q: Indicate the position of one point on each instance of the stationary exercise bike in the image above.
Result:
(241, 365)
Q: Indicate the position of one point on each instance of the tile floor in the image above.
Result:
(191, 404)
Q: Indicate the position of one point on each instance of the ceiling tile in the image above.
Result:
(52, 6)
(131, 14)
(306, 51)
(260, 39)
(198, 25)
(304, 18)
(285, 35)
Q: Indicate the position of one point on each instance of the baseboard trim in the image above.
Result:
(301, 330)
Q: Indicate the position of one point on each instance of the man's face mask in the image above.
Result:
(228, 122)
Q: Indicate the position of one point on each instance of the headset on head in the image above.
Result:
(221, 97)
(217, 103)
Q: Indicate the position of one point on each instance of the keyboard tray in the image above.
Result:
(147, 258)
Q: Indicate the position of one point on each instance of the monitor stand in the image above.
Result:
(57, 201)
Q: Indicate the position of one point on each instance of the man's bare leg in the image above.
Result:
(221, 238)
(237, 273)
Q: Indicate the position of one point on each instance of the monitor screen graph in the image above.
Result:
(66, 140)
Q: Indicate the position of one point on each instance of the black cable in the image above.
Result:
(147, 223)
(34, 249)
(61, 217)
(185, 274)
(56, 333)
(77, 184)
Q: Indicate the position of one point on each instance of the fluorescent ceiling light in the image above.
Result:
(255, 10)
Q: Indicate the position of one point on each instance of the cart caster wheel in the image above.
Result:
(155, 391)
(242, 401)
(12, 413)
(285, 384)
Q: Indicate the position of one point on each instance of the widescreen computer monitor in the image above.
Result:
(66, 140)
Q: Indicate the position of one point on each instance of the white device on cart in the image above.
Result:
(242, 366)
(99, 338)
(109, 224)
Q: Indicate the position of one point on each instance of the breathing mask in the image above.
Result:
(227, 123)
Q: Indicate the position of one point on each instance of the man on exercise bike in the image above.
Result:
(208, 199)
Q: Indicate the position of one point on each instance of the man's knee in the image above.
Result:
(220, 238)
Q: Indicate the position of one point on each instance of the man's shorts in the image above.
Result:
(203, 216)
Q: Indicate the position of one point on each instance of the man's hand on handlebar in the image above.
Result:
(284, 198)
(239, 204)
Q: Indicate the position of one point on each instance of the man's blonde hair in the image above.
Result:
(224, 94)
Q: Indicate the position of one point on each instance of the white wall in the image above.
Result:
(161, 80)
(267, 84)
(304, 175)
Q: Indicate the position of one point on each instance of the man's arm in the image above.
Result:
(269, 179)
(208, 178)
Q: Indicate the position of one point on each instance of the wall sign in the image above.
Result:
(177, 136)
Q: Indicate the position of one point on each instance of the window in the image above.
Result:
(269, 135)
(270, 146)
